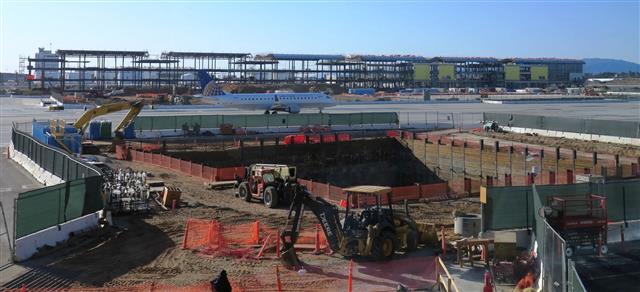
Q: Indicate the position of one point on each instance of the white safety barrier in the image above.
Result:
(40, 174)
(28, 245)
(572, 135)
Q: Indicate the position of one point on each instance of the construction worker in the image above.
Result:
(221, 283)
(526, 283)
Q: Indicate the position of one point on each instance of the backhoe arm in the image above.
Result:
(326, 213)
(134, 109)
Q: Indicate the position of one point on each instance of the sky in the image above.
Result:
(496, 28)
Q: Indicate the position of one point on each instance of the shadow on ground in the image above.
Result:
(88, 261)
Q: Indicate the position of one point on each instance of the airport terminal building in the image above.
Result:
(83, 70)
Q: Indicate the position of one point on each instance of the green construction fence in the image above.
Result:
(39, 209)
(516, 206)
(79, 195)
(263, 121)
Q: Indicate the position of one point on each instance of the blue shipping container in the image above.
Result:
(73, 142)
(70, 129)
(51, 141)
(39, 131)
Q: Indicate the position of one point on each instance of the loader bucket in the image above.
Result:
(289, 258)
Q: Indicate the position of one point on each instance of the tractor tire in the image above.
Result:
(243, 191)
(384, 246)
(270, 197)
(412, 240)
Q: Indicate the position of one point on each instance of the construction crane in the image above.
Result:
(134, 107)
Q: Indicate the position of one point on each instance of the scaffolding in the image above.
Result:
(87, 70)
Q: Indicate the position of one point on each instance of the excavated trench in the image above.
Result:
(379, 161)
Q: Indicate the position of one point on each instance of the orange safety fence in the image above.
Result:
(189, 168)
(435, 191)
(249, 240)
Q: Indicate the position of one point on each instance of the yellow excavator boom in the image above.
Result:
(134, 107)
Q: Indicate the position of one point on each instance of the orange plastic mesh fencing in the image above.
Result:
(320, 273)
(250, 240)
(328, 274)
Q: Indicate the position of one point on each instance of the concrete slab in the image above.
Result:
(618, 270)
(467, 278)
(13, 180)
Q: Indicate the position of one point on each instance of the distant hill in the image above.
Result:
(597, 65)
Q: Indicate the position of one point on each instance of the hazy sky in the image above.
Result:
(499, 28)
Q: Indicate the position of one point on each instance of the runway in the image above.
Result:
(24, 110)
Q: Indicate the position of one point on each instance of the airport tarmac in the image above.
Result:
(24, 110)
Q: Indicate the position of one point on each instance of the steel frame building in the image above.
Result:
(84, 70)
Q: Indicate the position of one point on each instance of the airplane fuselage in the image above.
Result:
(268, 102)
(288, 102)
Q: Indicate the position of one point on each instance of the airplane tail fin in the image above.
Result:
(208, 85)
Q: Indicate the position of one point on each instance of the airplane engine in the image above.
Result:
(293, 109)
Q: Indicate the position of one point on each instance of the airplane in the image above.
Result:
(269, 102)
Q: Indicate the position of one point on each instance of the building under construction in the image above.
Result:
(83, 70)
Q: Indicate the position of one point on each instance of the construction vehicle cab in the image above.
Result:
(373, 232)
(270, 183)
(402, 230)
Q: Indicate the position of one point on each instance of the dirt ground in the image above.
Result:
(148, 248)
(580, 145)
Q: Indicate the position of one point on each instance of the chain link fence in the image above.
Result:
(176, 123)
(439, 120)
(574, 283)
(552, 255)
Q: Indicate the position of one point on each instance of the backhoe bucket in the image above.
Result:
(289, 258)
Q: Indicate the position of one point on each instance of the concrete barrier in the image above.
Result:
(40, 174)
(572, 135)
(27, 246)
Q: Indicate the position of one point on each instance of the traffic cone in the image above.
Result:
(487, 283)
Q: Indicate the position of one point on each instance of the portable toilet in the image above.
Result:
(105, 130)
(94, 130)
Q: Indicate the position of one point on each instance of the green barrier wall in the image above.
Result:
(42, 208)
(629, 129)
(517, 207)
(283, 120)
(79, 195)
(50, 158)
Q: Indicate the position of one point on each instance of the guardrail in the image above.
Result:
(574, 283)
(443, 278)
